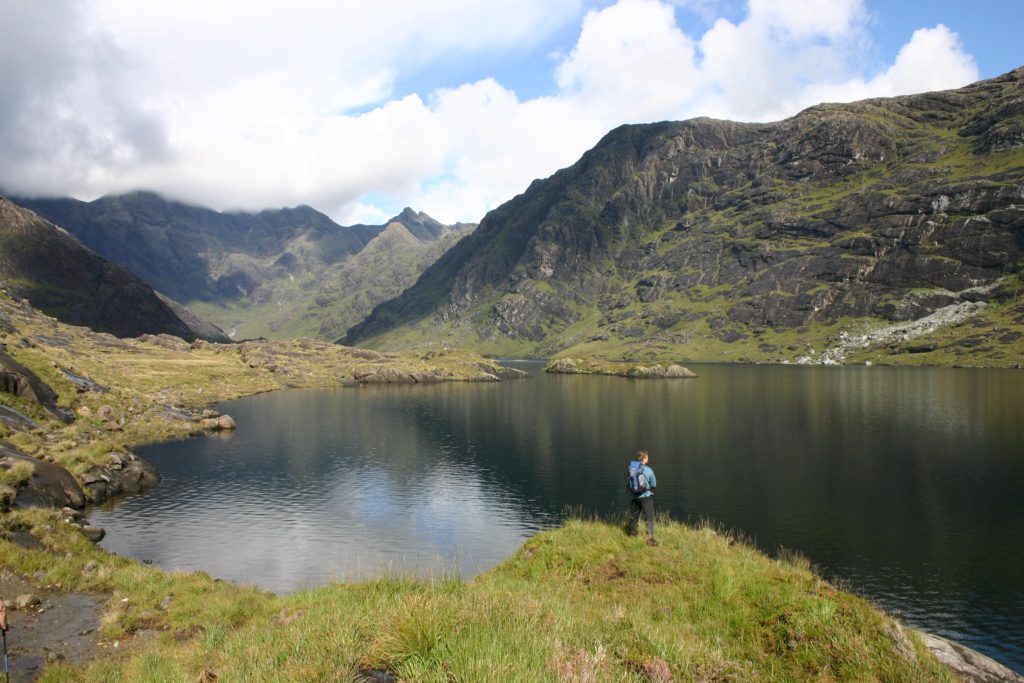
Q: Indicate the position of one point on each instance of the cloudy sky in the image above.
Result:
(450, 106)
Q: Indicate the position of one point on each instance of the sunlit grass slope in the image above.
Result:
(580, 603)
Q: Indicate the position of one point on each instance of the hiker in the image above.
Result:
(3, 632)
(641, 485)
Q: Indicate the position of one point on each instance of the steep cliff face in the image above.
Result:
(707, 237)
(50, 268)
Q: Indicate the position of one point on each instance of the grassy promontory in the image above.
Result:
(583, 602)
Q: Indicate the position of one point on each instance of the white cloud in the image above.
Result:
(255, 105)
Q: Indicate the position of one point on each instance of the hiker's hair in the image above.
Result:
(640, 455)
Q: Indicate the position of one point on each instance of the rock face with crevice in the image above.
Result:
(885, 210)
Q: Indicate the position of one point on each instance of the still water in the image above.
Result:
(903, 484)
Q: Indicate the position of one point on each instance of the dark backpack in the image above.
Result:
(637, 482)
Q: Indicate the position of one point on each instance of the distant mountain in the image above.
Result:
(193, 253)
(324, 302)
(44, 264)
(276, 273)
(709, 239)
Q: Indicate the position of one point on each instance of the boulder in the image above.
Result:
(25, 601)
(224, 423)
(50, 485)
(109, 415)
(18, 380)
(135, 475)
(563, 366)
(968, 664)
(93, 533)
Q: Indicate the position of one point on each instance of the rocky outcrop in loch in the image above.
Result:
(593, 366)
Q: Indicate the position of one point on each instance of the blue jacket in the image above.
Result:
(652, 481)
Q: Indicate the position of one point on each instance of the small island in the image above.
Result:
(596, 366)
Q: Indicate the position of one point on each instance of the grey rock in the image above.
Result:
(18, 380)
(50, 485)
(968, 664)
(94, 533)
(25, 601)
(224, 423)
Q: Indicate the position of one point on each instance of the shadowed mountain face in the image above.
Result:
(192, 253)
(276, 273)
(59, 276)
(703, 237)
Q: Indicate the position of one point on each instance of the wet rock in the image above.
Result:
(94, 533)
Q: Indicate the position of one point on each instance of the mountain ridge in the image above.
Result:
(707, 238)
(269, 273)
(47, 266)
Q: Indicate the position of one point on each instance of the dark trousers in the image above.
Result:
(645, 504)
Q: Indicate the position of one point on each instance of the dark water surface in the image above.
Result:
(905, 484)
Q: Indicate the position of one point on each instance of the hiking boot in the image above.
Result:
(651, 542)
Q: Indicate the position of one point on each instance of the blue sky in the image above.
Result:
(451, 107)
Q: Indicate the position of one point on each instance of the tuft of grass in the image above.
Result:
(17, 475)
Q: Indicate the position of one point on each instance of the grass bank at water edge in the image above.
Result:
(583, 602)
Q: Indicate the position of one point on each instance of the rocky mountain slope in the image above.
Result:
(323, 300)
(44, 264)
(708, 239)
(277, 273)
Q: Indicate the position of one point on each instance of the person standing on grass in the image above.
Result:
(641, 486)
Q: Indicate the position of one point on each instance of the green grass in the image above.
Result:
(580, 603)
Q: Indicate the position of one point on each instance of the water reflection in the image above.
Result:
(903, 483)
